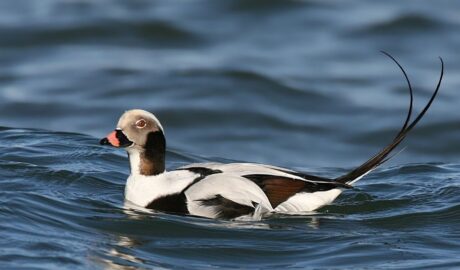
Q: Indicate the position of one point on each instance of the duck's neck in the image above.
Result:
(150, 159)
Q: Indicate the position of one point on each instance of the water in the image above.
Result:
(299, 84)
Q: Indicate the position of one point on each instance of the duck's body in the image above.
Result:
(229, 191)
(235, 190)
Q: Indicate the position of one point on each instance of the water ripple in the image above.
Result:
(86, 207)
(403, 24)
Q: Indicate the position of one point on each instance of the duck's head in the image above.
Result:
(141, 134)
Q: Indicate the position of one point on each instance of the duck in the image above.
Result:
(231, 191)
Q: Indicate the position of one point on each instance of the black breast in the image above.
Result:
(174, 203)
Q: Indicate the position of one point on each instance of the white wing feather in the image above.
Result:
(232, 187)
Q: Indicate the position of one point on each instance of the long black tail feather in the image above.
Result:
(382, 156)
(411, 93)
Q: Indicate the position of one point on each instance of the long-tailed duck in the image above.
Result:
(235, 190)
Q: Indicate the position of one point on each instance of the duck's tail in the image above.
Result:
(382, 156)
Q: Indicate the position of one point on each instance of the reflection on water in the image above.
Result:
(116, 259)
(121, 256)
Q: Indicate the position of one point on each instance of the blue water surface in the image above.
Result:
(299, 84)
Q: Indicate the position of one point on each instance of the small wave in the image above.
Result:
(402, 24)
(154, 33)
(259, 84)
(269, 5)
(427, 218)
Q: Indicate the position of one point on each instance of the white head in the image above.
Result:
(141, 134)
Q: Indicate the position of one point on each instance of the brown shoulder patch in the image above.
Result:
(278, 189)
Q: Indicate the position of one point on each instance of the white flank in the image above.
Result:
(305, 202)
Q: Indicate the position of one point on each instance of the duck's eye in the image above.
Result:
(141, 123)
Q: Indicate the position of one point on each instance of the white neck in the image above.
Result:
(134, 161)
